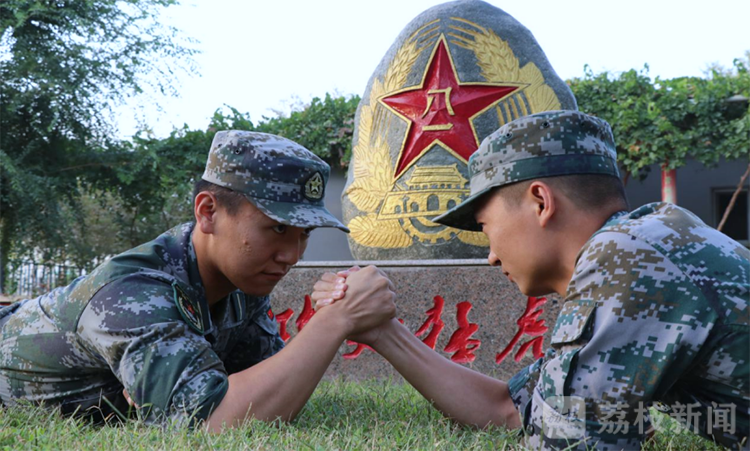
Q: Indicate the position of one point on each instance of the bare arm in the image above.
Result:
(460, 393)
(280, 386)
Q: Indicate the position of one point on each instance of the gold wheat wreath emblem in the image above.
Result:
(386, 221)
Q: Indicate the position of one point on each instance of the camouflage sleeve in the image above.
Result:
(522, 384)
(169, 371)
(260, 338)
(630, 328)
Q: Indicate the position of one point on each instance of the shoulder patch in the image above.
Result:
(189, 309)
(314, 187)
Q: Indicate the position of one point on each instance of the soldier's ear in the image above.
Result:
(205, 209)
(543, 201)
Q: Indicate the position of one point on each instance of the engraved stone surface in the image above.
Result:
(496, 307)
(454, 75)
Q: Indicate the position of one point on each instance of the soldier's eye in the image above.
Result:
(308, 231)
(279, 228)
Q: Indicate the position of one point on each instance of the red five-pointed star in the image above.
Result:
(441, 110)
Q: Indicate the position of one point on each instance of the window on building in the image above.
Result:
(738, 223)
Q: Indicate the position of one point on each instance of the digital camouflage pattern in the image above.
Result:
(141, 322)
(280, 177)
(656, 311)
(540, 145)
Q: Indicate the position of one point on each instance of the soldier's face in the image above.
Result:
(254, 252)
(516, 243)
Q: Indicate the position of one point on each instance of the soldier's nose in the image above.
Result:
(493, 259)
(289, 252)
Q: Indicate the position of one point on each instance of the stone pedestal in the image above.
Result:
(496, 306)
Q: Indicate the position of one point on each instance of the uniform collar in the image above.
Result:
(191, 261)
(227, 312)
(230, 311)
(190, 279)
(614, 218)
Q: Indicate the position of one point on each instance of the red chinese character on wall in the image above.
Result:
(357, 351)
(461, 343)
(528, 324)
(359, 347)
(434, 319)
(283, 318)
(307, 313)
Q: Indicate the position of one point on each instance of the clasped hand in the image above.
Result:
(367, 295)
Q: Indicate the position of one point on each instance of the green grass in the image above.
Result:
(340, 415)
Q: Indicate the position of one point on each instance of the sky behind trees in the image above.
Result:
(264, 57)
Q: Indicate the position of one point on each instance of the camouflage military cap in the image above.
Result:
(545, 144)
(280, 177)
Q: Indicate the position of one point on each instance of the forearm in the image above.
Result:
(459, 393)
(280, 386)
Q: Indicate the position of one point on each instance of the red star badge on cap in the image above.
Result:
(441, 110)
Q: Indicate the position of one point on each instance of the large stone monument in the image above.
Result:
(455, 74)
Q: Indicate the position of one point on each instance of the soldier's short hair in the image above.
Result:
(230, 200)
(586, 191)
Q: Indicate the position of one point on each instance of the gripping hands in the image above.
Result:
(366, 296)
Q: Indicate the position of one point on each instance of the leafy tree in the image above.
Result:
(628, 102)
(722, 104)
(63, 66)
(325, 126)
(667, 122)
(152, 195)
(155, 187)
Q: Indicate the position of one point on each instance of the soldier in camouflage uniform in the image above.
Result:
(176, 326)
(656, 302)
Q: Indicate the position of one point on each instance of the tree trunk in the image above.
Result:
(625, 178)
(668, 185)
(5, 229)
(734, 199)
(2, 271)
